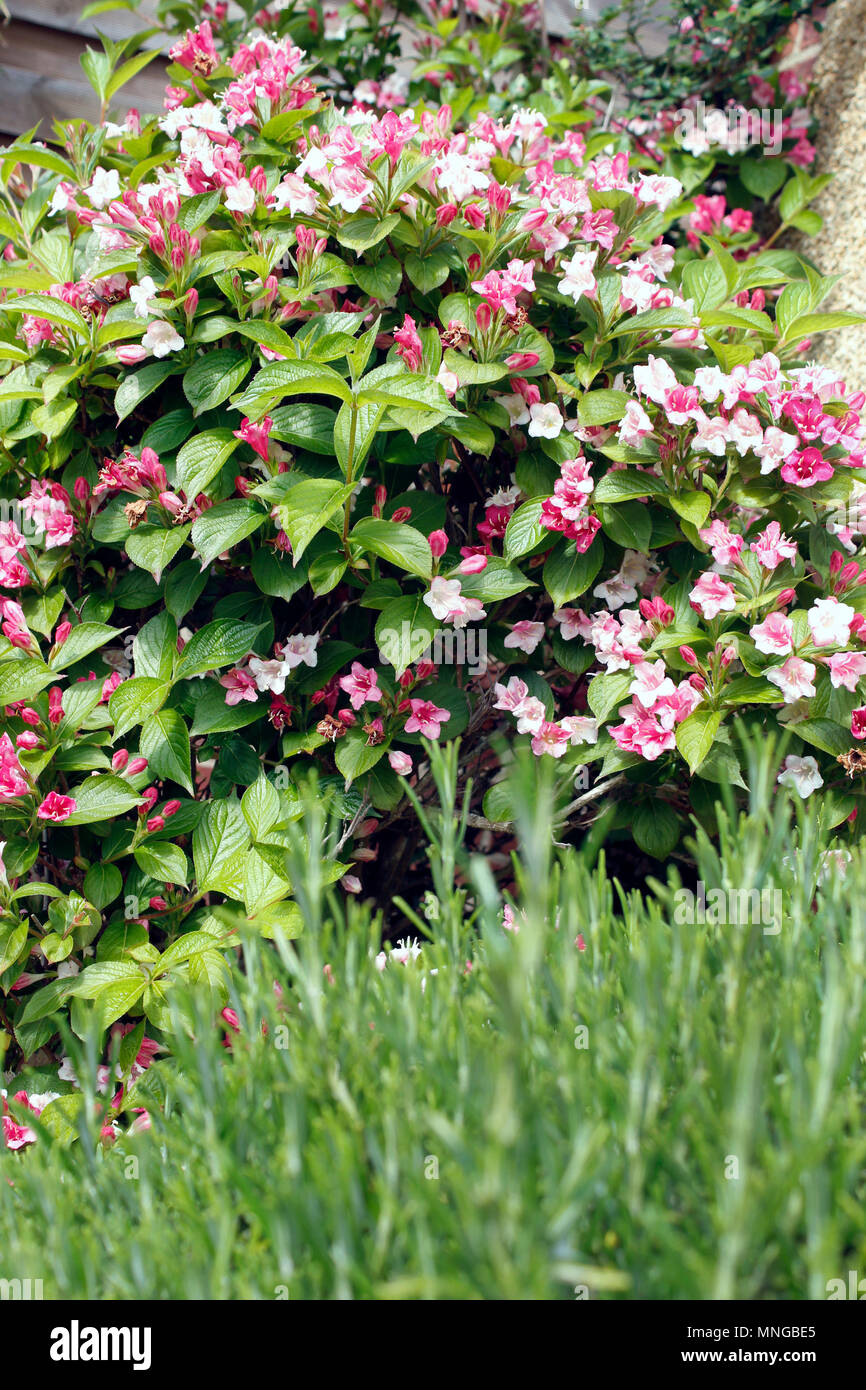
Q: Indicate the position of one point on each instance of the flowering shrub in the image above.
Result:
(294, 400)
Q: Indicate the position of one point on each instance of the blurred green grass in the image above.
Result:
(434, 1131)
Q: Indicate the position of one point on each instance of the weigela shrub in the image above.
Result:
(326, 432)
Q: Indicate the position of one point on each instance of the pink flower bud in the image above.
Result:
(483, 317)
(533, 219)
(129, 354)
(424, 669)
(402, 514)
(119, 761)
(150, 797)
(81, 489)
(438, 543)
(137, 765)
(62, 633)
(697, 682)
(837, 559)
(688, 655)
(156, 823)
(170, 808)
(445, 214)
(158, 904)
(473, 564)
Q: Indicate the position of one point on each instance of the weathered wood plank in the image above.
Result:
(41, 79)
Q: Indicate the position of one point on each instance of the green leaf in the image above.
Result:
(629, 524)
(602, 407)
(824, 734)
(219, 845)
(82, 640)
(164, 742)
(162, 861)
(404, 631)
(102, 884)
(626, 485)
(396, 542)
(260, 805)
(362, 231)
(281, 379)
(354, 756)
(695, 736)
(220, 643)
(154, 649)
(135, 700)
(153, 548)
(212, 378)
(524, 531)
(137, 386)
(692, 506)
(101, 798)
(608, 691)
(21, 678)
(568, 574)
(496, 581)
(225, 525)
(308, 508)
(304, 426)
(656, 828)
(202, 457)
(429, 271)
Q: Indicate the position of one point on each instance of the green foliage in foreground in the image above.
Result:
(303, 1163)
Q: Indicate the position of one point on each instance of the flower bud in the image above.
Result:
(689, 656)
(438, 544)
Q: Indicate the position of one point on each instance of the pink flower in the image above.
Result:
(807, 468)
(773, 546)
(711, 596)
(426, 718)
(858, 722)
(525, 635)
(56, 807)
(256, 435)
(13, 782)
(196, 51)
(830, 622)
(361, 686)
(239, 685)
(551, 738)
(724, 544)
(774, 636)
(846, 668)
(794, 678)
(655, 380)
(409, 345)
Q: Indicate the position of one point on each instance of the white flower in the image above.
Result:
(444, 599)
(241, 197)
(335, 25)
(458, 177)
(139, 295)
(104, 187)
(297, 196)
(161, 338)
(829, 622)
(802, 775)
(300, 648)
(269, 675)
(518, 411)
(545, 420)
(578, 278)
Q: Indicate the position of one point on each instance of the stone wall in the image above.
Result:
(839, 102)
